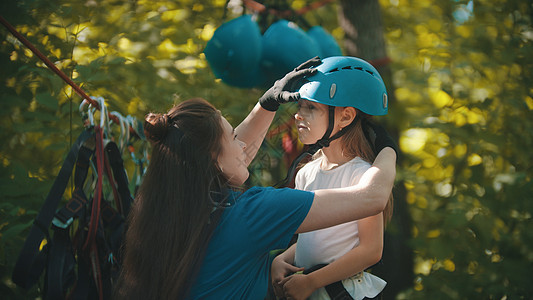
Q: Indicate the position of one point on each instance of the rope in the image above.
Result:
(52, 67)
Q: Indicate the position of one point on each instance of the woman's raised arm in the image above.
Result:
(253, 129)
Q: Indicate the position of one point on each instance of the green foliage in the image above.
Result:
(464, 87)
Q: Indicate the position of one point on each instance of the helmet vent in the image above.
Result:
(332, 90)
(370, 72)
(333, 70)
(358, 68)
(347, 68)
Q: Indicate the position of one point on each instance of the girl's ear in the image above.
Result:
(347, 116)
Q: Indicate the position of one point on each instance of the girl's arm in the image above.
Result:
(336, 206)
(253, 129)
(356, 260)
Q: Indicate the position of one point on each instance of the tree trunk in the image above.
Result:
(363, 25)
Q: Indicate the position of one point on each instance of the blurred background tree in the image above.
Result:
(460, 72)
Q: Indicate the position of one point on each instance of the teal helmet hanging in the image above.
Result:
(234, 52)
(327, 43)
(285, 46)
(347, 81)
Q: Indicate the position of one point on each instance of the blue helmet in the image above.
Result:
(347, 81)
(327, 43)
(285, 47)
(234, 52)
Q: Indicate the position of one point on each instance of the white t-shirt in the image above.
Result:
(329, 244)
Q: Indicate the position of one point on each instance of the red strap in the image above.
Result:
(97, 272)
(95, 212)
(113, 184)
(52, 67)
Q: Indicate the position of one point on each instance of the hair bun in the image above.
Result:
(156, 126)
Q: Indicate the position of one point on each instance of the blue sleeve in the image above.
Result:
(273, 215)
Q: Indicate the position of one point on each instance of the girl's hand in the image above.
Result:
(298, 286)
(280, 269)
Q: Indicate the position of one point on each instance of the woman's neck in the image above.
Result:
(333, 156)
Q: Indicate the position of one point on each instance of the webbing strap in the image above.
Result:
(119, 173)
(29, 264)
(60, 272)
(96, 263)
(335, 290)
(95, 216)
(61, 262)
(323, 142)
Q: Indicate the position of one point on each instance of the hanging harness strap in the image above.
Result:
(61, 260)
(98, 263)
(119, 174)
(30, 262)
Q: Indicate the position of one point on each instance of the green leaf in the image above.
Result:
(16, 230)
(47, 100)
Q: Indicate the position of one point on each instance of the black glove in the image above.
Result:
(378, 137)
(283, 90)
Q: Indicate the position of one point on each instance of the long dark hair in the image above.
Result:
(170, 223)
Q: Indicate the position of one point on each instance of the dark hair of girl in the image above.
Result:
(171, 221)
(354, 143)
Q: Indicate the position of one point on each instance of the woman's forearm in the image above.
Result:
(253, 129)
(367, 198)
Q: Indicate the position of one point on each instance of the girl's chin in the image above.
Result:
(306, 141)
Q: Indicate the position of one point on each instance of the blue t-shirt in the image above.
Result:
(237, 262)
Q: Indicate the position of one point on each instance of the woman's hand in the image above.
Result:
(378, 137)
(280, 269)
(284, 90)
(297, 286)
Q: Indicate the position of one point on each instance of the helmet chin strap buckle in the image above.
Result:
(323, 143)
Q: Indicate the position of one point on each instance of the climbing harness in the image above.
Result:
(79, 244)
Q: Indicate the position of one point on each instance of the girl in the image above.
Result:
(191, 236)
(333, 115)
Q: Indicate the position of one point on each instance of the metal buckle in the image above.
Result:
(59, 224)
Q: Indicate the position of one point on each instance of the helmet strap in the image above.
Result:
(323, 142)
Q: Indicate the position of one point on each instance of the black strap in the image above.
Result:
(76, 205)
(323, 142)
(60, 271)
(29, 265)
(117, 166)
(61, 265)
(335, 290)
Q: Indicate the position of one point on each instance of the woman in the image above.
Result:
(191, 236)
